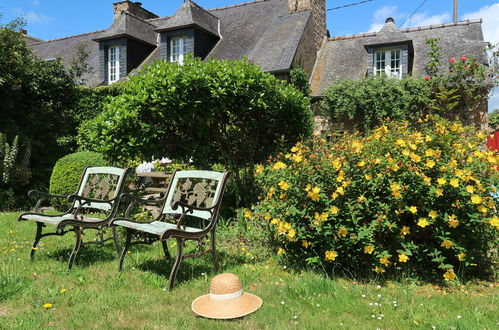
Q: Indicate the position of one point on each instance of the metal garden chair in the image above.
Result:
(98, 191)
(191, 195)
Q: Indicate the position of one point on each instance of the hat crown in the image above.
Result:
(225, 283)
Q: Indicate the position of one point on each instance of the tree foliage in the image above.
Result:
(208, 112)
(368, 102)
(36, 98)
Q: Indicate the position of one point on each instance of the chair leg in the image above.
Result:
(116, 239)
(76, 248)
(38, 236)
(128, 239)
(165, 250)
(178, 259)
(214, 251)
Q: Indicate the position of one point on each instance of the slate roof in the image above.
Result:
(189, 14)
(346, 57)
(65, 50)
(131, 26)
(262, 30)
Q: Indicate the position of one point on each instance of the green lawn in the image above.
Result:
(93, 296)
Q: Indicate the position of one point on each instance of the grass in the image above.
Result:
(93, 296)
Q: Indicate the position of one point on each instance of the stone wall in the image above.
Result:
(306, 53)
(134, 8)
(318, 8)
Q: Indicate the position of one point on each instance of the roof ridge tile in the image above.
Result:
(69, 37)
(238, 5)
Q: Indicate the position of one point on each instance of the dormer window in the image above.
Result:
(389, 62)
(113, 64)
(178, 49)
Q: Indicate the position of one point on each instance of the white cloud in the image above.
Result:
(381, 15)
(490, 24)
(424, 20)
(33, 17)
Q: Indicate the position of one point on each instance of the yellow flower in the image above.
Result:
(259, 169)
(461, 256)
(291, 233)
(336, 164)
(405, 231)
(342, 231)
(248, 214)
(279, 166)
(334, 210)
(275, 221)
(314, 193)
(321, 217)
(475, 199)
(368, 249)
(281, 251)
(361, 163)
(305, 244)
(403, 257)
(447, 244)
(384, 261)
(482, 208)
(340, 190)
(284, 185)
(433, 214)
(413, 146)
(454, 182)
(449, 275)
(422, 222)
(428, 138)
(430, 152)
(368, 176)
(413, 209)
(441, 181)
(406, 152)
(330, 255)
(361, 199)
(47, 305)
(400, 142)
(379, 270)
(63, 291)
(297, 158)
(294, 149)
(439, 192)
(430, 163)
(494, 221)
(340, 176)
(453, 222)
(415, 158)
(395, 168)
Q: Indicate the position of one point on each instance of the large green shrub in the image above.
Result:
(226, 112)
(15, 171)
(368, 102)
(67, 171)
(36, 100)
(398, 200)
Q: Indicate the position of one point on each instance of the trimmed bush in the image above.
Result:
(398, 200)
(367, 103)
(67, 171)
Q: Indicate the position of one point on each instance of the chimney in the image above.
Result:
(318, 9)
(134, 8)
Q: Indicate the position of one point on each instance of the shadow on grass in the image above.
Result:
(88, 254)
(191, 268)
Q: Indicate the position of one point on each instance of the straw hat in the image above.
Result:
(226, 299)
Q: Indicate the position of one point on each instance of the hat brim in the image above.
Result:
(226, 309)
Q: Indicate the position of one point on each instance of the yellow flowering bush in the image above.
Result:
(398, 199)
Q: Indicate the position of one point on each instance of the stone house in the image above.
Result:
(273, 34)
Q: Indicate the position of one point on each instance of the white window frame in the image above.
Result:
(113, 64)
(389, 59)
(178, 49)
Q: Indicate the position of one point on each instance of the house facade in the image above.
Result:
(273, 34)
(276, 35)
(394, 52)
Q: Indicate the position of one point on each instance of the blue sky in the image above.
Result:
(51, 19)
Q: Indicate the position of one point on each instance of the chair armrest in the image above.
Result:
(42, 196)
(187, 208)
(87, 200)
(134, 200)
(111, 223)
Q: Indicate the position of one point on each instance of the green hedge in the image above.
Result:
(67, 171)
